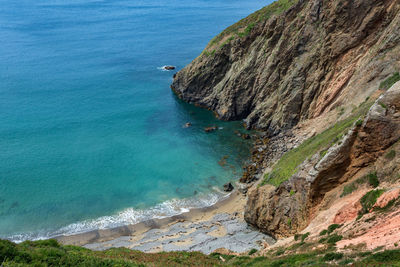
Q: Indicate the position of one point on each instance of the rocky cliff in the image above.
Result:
(295, 60)
(289, 207)
(288, 66)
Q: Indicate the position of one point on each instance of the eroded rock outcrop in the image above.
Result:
(297, 65)
(288, 208)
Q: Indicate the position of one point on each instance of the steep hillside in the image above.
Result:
(291, 194)
(295, 60)
(316, 76)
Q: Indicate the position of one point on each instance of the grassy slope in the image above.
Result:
(50, 253)
(288, 163)
(244, 26)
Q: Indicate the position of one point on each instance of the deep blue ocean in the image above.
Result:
(91, 135)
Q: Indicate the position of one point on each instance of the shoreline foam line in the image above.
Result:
(129, 216)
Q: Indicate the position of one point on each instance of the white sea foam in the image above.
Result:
(128, 216)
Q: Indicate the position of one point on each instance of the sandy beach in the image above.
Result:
(205, 229)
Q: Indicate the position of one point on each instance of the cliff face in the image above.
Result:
(289, 207)
(295, 60)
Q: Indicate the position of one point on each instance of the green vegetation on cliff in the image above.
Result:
(289, 162)
(51, 253)
(243, 27)
(386, 84)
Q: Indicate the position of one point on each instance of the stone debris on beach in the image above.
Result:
(222, 231)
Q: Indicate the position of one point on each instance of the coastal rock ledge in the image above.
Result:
(290, 62)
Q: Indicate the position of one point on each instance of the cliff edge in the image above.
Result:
(295, 60)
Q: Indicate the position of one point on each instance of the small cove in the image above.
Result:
(91, 135)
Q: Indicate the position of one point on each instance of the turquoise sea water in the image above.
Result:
(90, 134)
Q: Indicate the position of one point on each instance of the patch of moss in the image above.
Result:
(388, 206)
(348, 189)
(390, 155)
(369, 199)
(386, 84)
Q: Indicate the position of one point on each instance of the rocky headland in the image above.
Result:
(318, 80)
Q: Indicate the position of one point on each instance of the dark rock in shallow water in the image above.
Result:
(245, 136)
(210, 129)
(228, 187)
(169, 67)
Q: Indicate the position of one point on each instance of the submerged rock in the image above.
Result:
(168, 67)
(187, 125)
(210, 129)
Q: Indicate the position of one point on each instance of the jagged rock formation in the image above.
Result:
(281, 69)
(288, 208)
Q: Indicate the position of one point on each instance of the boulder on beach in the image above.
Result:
(228, 187)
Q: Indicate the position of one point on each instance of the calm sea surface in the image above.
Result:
(90, 134)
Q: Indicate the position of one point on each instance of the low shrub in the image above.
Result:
(373, 179)
(333, 227)
(385, 256)
(304, 237)
(369, 199)
(332, 256)
(334, 238)
(252, 251)
(323, 232)
(322, 240)
(279, 252)
(297, 236)
(346, 262)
